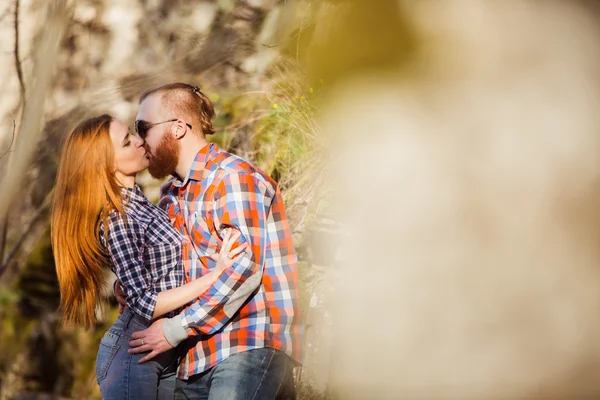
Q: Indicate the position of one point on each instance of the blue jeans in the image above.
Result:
(118, 373)
(259, 374)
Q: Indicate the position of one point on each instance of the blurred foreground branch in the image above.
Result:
(45, 58)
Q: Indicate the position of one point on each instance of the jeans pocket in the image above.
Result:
(106, 353)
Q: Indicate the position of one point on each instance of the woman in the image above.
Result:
(101, 218)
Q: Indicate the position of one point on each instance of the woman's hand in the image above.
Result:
(226, 257)
(120, 296)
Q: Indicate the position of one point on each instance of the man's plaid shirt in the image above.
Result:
(144, 250)
(253, 304)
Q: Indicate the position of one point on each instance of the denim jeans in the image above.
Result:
(119, 374)
(259, 374)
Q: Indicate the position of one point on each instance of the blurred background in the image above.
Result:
(440, 163)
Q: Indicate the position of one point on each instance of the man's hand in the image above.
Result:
(151, 339)
(120, 296)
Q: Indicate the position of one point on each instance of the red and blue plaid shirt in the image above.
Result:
(253, 304)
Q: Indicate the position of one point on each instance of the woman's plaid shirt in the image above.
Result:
(145, 252)
(253, 304)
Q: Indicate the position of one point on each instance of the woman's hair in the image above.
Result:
(86, 189)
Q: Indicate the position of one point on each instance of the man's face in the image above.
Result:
(160, 143)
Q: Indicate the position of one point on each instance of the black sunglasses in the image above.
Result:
(142, 127)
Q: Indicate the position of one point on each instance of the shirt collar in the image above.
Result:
(134, 193)
(201, 166)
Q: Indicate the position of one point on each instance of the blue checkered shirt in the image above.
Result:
(144, 251)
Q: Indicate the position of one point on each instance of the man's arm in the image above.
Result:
(242, 201)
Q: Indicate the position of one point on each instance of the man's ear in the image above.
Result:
(180, 129)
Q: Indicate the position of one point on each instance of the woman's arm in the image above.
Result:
(172, 299)
(125, 248)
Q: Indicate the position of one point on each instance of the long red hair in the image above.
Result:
(86, 189)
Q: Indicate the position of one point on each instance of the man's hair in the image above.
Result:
(186, 101)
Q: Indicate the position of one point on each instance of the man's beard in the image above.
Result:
(164, 160)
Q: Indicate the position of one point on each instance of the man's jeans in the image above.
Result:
(259, 374)
(119, 374)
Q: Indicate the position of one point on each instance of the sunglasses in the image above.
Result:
(142, 127)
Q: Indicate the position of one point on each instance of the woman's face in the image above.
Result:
(130, 155)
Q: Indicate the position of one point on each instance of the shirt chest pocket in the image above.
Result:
(201, 224)
(160, 232)
(201, 230)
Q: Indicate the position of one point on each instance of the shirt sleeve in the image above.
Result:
(242, 201)
(125, 244)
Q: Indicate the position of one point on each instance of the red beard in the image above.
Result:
(164, 160)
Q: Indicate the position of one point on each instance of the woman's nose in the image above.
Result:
(139, 141)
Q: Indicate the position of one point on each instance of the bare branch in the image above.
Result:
(298, 31)
(17, 56)
(291, 38)
(4, 225)
(34, 220)
(12, 140)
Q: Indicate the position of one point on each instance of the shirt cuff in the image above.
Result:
(145, 305)
(174, 331)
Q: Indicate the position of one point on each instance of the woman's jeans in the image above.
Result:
(119, 374)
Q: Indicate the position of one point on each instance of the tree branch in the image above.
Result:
(12, 140)
(4, 225)
(34, 220)
(17, 56)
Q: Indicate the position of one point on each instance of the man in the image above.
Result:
(242, 336)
